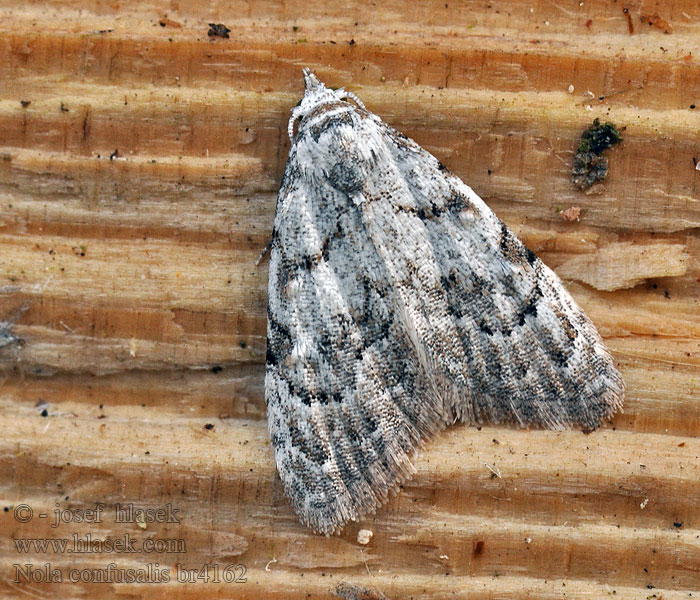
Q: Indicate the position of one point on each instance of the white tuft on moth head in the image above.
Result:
(316, 94)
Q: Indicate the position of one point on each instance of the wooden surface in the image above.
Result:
(137, 188)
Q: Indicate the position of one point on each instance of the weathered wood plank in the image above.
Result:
(138, 172)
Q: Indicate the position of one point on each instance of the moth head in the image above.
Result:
(316, 94)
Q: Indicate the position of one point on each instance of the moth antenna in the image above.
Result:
(355, 99)
(292, 122)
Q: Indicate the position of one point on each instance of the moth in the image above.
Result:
(400, 304)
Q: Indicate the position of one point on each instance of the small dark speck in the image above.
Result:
(351, 42)
(692, 106)
(25, 103)
(243, 344)
(488, 171)
(147, 452)
(678, 524)
(478, 548)
(495, 441)
(6, 509)
(209, 426)
(44, 413)
(654, 286)
(667, 295)
(218, 30)
(216, 369)
(114, 154)
(101, 405)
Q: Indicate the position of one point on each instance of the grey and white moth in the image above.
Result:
(399, 304)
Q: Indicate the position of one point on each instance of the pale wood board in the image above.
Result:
(137, 189)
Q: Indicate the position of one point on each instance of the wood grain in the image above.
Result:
(139, 164)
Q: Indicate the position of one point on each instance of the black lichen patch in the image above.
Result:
(218, 30)
(349, 591)
(589, 166)
(6, 335)
(599, 137)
